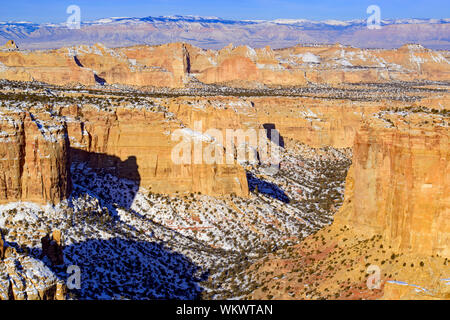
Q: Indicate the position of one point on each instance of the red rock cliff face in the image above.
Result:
(34, 159)
(398, 186)
(145, 137)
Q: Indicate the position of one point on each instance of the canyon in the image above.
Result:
(86, 144)
(180, 65)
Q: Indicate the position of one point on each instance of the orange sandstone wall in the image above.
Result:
(398, 186)
(145, 137)
(34, 161)
(175, 64)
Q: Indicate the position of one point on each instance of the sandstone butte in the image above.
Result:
(9, 45)
(398, 183)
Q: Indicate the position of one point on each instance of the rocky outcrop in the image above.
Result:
(45, 66)
(34, 158)
(334, 65)
(9, 45)
(316, 122)
(398, 184)
(36, 149)
(52, 248)
(26, 278)
(242, 66)
(2, 246)
(174, 65)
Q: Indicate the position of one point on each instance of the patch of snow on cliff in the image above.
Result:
(309, 57)
(437, 57)
(251, 53)
(273, 67)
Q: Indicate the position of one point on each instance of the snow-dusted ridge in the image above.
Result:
(196, 30)
(214, 19)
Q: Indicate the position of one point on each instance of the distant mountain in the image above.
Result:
(214, 32)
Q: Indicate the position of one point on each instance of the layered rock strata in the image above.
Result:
(176, 65)
(34, 158)
(398, 184)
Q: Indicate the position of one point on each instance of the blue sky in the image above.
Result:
(55, 10)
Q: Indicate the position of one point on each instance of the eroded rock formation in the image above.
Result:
(26, 278)
(2, 246)
(398, 185)
(9, 45)
(36, 149)
(141, 141)
(175, 65)
(52, 248)
(34, 156)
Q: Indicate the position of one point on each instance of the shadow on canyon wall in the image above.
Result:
(273, 134)
(266, 188)
(78, 62)
(98, 79)
(109, 178)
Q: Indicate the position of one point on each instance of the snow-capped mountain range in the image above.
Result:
(215, 32)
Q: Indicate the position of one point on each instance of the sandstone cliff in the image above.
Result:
(398, 184)
(174, 65)
(34, 159)
(142, 142)
(36, 148)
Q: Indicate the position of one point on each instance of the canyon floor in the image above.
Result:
(362, 185)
